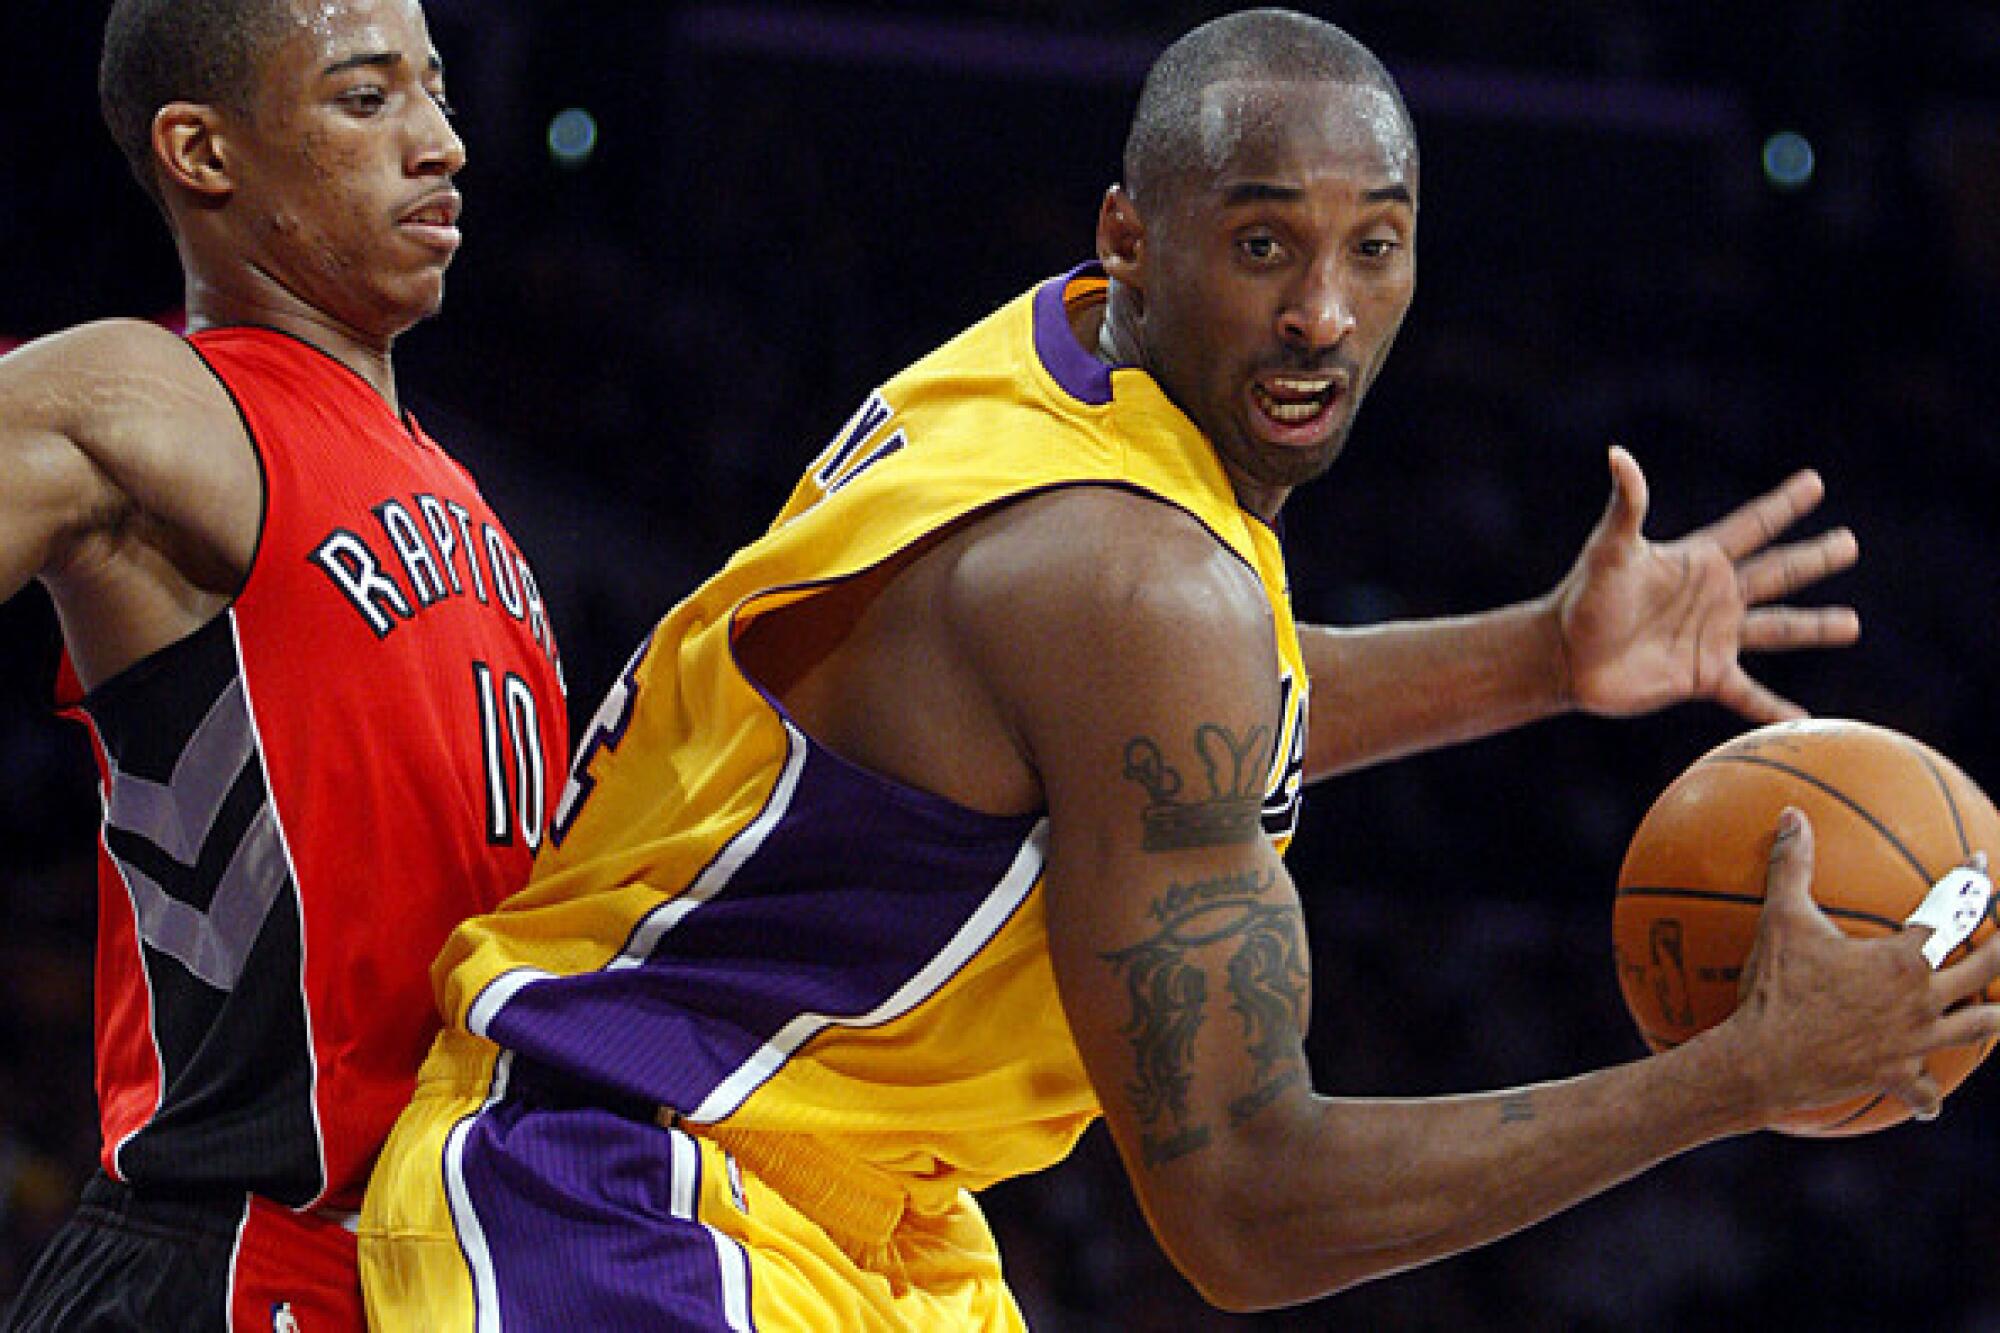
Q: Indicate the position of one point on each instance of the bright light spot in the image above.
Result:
(572, 137)
(1788, 161)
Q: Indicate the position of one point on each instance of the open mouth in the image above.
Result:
(434, 215)
(1296, 404)
(435, 222)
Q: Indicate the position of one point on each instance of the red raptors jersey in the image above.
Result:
(302, 799)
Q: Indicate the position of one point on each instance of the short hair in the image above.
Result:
(1165, 142)
(161, 51)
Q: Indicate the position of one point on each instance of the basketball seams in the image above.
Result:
(1847, 1123)
(1751, 900)
(1700, 895)
(1942, 779)
(1944, 790)
(1819, 784)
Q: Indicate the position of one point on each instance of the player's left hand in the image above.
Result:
(1644, 624)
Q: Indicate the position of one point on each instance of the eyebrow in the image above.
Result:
(380, 60)
(1263, 192)
(1260, 192)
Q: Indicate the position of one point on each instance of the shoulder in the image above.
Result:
(110, 347)
(1092, 589)
(128, 393)
(120, 419)
(1092, 551)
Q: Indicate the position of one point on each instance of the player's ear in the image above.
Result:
(1121, 239)
(191, 150)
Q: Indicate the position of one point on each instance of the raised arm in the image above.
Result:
(1139, 674)
(1634, 626)
(130, 490)
(54, 491)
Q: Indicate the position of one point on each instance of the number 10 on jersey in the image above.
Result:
(511, 735)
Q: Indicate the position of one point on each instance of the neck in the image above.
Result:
(264, 303)
(1114, 337)
(1110, 329)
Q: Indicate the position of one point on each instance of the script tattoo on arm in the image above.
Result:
(1230, 812)
(1168, 988)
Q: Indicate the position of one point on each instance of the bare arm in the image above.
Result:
(1634, 626)
(54, 491)
(1141, 678)
(131, 489)
(1385, 691)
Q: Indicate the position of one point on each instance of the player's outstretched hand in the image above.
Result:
(1646, 624)
(1824, 1017)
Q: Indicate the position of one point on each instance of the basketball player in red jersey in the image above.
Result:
(318, 676)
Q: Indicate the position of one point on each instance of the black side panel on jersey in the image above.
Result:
(190, 826)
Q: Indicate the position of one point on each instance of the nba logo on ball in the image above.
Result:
(1895, 827)
(1665, 971)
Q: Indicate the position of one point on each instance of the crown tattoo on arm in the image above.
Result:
(1231, 810)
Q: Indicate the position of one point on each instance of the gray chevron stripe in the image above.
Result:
(215, 945)
(177, 817)
(177, 814)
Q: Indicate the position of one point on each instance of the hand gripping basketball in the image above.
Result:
(1834, 1017)
(1894, 826)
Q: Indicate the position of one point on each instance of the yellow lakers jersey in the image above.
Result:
(733, 922)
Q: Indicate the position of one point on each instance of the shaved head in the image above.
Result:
(1192, 105)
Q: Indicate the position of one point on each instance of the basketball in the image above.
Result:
(1890, 817)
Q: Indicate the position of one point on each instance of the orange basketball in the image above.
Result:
(1890, 817)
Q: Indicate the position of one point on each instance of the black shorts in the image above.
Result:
(129, 1262)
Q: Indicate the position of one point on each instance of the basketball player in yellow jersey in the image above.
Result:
(948, 816)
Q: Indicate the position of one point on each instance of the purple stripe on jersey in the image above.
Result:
(583, 1220)
(858, 887)
(1073, 365)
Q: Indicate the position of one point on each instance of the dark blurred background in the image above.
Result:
(1737, 238)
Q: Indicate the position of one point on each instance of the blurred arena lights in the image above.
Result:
(1788, 161)
(572, 137)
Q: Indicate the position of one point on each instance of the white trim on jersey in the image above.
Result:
(732, 1264)
(738, 850)
(646, 936)
(978, 930)
(299, 905)
(465, 1218)
(498, 993)
(117, 1150)
(229, 1290)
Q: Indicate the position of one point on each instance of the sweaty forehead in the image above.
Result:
(339, 27)
(1305, 130)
